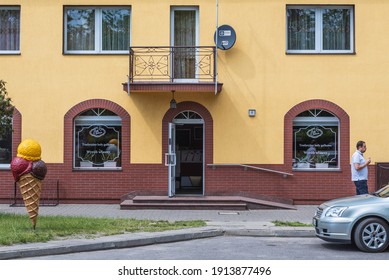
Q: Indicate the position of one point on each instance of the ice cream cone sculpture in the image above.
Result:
(29, 170)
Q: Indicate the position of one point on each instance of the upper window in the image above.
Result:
(9, 29)
(97, 140)
(315, 140)
(97, 29)
(320, 29)
(184, 37)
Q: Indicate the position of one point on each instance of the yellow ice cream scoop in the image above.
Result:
(29, 149)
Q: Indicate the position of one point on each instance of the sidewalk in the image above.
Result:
(219, 222)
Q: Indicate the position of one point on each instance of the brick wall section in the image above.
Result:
(96, 186)
(322, 185)
(305, 187)
(309, 187)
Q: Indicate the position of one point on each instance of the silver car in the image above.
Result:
(361, 219)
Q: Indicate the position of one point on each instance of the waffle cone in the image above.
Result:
(30, 188)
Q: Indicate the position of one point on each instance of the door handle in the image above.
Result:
(170, 159)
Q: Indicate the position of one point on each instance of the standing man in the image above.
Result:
(359, 170)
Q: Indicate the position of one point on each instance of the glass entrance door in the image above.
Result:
(189, 151)
(170, 159)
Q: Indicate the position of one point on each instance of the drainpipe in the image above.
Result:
(217, 26)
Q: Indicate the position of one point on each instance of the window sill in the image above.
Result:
(316, 169)
(97, 168)
(96, 53)
(10, 53)
(320, 53)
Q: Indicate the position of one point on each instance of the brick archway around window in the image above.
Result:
(17, 130)
(315, 186)
(6, 179)
(208, 126)
(344, 129)
(87, 105)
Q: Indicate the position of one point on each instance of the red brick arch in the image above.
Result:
(87, 105)
(344, 128)
(208, 126)
(6, 178)
(17, 130)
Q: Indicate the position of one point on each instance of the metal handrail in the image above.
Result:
(49, 196)
(285, 174)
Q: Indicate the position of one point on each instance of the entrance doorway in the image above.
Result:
(187, 174)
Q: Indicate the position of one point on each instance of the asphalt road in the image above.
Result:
(232, 248)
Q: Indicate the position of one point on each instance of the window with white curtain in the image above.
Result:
(320, 29)
(97, 29)
(9, 29)
(184, 32)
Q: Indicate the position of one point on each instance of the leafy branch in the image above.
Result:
(320, 157)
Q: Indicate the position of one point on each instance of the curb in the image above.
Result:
(104, 243)
(293, 232)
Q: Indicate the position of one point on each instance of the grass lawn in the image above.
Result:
(18, 228)
(290, 224)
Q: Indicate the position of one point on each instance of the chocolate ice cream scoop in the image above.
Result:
(39, 169)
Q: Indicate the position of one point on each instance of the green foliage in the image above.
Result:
(290, 224)
(17, 228)
(320, 157)
(6, 111)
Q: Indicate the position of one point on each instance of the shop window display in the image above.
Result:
(315, 140)
(5, 150)
(97, 140)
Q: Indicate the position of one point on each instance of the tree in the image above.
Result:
(6, 111)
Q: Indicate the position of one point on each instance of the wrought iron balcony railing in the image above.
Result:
(172, 64)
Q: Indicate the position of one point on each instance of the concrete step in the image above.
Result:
(126, 205)
(187, 199)
(201, 202)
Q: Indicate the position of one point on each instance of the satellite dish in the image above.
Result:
(226, 37)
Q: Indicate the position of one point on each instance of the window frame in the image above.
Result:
(18, 8)
(319, 29)
(98, 29)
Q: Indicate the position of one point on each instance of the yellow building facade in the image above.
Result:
(267, 71)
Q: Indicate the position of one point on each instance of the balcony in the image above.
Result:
(167, 69)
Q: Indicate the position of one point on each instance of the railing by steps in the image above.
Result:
(48, 197)
(245, 166)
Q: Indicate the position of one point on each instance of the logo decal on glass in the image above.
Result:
(97, 132)
(314, 145)
(315, 132)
